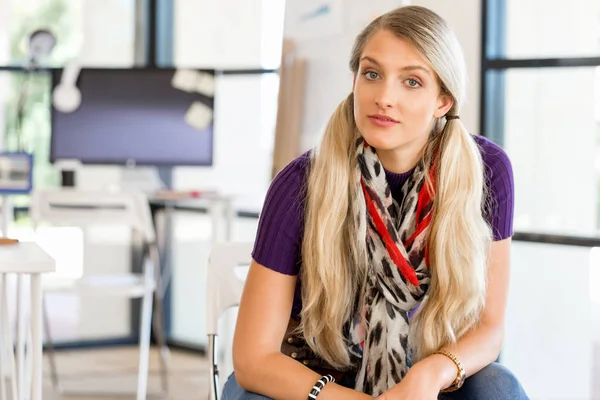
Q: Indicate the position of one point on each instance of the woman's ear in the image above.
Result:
(445, 103)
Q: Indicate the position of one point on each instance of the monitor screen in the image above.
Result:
(131, 117)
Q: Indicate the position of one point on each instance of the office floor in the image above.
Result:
(114, 370)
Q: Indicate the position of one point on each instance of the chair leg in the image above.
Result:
(145, 328)
(213, 390)
(159, 332)
(28, 376)
(6, 325)
(50, 348)
(159, 324)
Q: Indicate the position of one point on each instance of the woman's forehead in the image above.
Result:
(391, 51)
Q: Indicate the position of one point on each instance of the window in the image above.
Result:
(27, 104)
(545, 111)
(541, 102)
(25, 125)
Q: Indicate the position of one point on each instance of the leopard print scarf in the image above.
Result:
(398, 275)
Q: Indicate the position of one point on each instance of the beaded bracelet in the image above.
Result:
(325, 379)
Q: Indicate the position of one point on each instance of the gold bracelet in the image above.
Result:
(460, 376)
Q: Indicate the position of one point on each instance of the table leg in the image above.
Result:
(20, 338)
(3, 344)
(230, 215)
(36, 336)
(216, 213)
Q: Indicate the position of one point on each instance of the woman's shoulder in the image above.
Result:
(494, 157)
(280, 225)
(295, 169)
(499, 210)
(289, 182)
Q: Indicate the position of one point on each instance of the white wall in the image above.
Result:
(553, 305)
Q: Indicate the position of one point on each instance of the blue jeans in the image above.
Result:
(494, 382)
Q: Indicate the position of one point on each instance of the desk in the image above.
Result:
(222, 212)
(220, 208)
(24, 258)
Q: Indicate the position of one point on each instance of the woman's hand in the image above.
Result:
(416, 385)
(423, 381)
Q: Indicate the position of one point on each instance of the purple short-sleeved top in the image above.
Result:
(279, 238)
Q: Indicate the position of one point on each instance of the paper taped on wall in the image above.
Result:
(199, 115)
(184, 79)
(190, 81)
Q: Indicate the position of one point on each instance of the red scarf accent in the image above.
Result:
(425, 197)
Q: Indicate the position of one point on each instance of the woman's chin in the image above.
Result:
(380, 143)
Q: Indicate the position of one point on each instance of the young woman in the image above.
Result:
(381, 263)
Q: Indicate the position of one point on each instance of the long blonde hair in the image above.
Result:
(333, 250)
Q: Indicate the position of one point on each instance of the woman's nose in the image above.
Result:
(384, 97)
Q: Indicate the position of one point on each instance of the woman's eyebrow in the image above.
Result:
(406, 68)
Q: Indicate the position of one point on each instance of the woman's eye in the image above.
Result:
(413, 83)
(371, 75)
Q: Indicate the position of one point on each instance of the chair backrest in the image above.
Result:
(224, 285)
(60, 206)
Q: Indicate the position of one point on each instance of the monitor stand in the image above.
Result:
(145, 179)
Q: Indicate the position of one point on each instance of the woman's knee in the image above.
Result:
(494, 382)
(233, 391)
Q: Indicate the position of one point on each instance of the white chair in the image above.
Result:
(72, 207)
(224, 292)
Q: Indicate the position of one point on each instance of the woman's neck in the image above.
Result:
(400, 160)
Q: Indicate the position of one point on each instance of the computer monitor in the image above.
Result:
(131, 117)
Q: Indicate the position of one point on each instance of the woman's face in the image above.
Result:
(396, 95)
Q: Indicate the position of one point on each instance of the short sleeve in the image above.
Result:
(499, 205)
(280, 227)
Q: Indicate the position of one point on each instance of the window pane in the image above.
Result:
(549, 124)
(62, 17)
(4, 41)
(228, 33)
(547, 28)
(25, 122)
(106, 27)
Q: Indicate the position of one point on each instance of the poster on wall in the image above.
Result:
(313, 19)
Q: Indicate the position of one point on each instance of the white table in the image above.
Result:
(24, 259)
(220, 207)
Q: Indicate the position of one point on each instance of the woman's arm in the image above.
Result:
(259, 365)
(481, 346)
